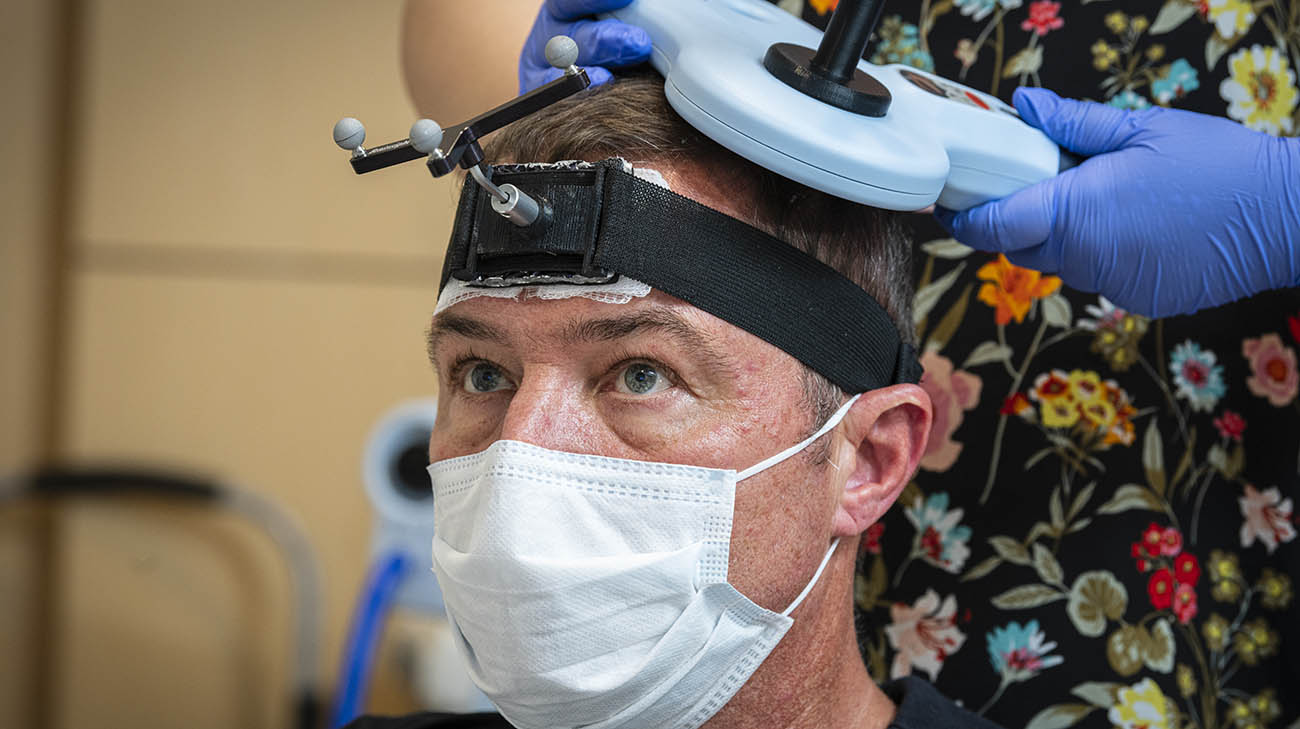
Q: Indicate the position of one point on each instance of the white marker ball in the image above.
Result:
(425, 135)
(561, 51)
(349, 133)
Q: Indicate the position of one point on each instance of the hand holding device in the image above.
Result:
(1174, 212)
(604, 44)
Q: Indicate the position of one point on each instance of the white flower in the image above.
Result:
(1267, 518)
(924, 635)
(980, 9)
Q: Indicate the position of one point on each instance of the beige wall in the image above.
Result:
(238, 303)
(28, 68)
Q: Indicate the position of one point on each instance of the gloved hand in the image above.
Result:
(601, 43)
(1174, 212)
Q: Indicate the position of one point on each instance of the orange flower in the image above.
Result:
(1012, 289)
(824, 6)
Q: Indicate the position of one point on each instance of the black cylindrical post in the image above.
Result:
(846, 38)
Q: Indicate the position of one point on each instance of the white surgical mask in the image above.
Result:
(586, 591)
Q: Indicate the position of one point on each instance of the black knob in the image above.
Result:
(830, 74)
(846, 38)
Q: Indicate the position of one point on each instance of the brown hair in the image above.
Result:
(631, 118)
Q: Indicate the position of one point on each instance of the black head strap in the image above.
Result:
(602, 222)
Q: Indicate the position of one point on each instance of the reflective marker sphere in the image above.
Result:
(425, 135)
(349, 133)
(561, 51)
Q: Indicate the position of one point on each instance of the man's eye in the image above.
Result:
(641, 379)
(484, 377)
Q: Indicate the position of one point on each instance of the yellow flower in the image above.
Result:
(1215, 630)
(1239, 713)
(1275, 590)
(1087, 386)
(1099, 414)
(1012, 289)
(1186, 680)
(1223, 565)
(1155, 53)
(1265, 706)
(824, 6)
(1117, 22)
(1231, 18)
(1103, 55)
(1141, 705)
(1226, 590)
(1261, 91)
(1140, 23)
(1059, 413)
(1254, 641)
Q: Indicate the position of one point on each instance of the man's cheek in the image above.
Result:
(463, 429)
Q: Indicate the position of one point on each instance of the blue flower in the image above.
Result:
(1129, 99)
(1197, 376)
(940, 539)
(900, 42)
(980, 9)
(1019, 653)
(1177, 80)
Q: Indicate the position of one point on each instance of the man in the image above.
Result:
(555, 539)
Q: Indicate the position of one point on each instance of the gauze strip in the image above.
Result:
(621, 291)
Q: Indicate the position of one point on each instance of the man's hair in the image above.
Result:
(631, 118)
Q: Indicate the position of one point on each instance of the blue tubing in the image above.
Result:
(372, 608)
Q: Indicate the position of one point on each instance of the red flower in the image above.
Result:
(1043, 17)
(871, 540)
(1186, 569)
(932, 543)
(1152, 539)
(1139, 554)
(1151, 545)
(1171, 542)
(1231, 425)
(1294, 323)
(1161, 589)
(1184, 604)
(1015, 405)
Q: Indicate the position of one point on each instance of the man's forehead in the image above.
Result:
(697, 181)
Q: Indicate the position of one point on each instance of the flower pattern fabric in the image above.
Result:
(1104, 530)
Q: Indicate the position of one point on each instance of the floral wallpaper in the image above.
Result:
(1103, 532)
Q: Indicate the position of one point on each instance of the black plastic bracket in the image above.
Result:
(460, 142)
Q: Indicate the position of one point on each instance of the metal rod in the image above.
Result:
(846, 38)
(480, 176)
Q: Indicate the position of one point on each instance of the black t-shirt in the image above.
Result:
(920, 706)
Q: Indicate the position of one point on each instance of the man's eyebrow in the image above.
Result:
(648, 321)
(446, 324)
(690, 339)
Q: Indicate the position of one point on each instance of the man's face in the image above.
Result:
(655, 379)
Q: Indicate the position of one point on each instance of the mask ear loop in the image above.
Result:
(833, 421)
(813, 582)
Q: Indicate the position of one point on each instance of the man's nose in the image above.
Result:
(549, 413)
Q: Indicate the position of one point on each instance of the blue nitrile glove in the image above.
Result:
(601, 43)
(1173, 212)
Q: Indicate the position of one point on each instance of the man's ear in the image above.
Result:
(884, 436)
